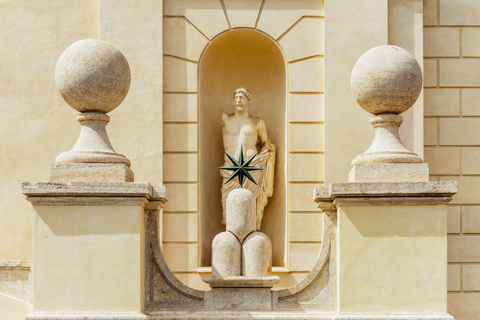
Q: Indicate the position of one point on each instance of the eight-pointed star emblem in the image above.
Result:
(240, 168)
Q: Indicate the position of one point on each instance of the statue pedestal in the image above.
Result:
(391, 248)
(240, 293)
(88, 248)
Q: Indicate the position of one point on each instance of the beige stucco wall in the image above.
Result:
(35, 125)
(88, 258)
(452, 137)
(390, 259)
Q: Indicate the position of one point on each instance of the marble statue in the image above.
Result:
(241, 129)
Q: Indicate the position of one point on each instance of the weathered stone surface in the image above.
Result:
(256, 255)
(16, 279)
(386, 79)
(92, 75)
(241, 213)
(241, 282)
(90, 172)
(389, 172)
(401, 189)
(240, 132)
(239, 299)
(226, 255)
(93, 144)
(387, 147)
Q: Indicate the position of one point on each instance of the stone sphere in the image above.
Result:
(386, 79)
(92, 75)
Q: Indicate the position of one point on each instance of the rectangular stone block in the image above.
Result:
(463, 249)
(305, 227)
(179, 75)
(459, 12)
(430, 135)
(471, 277)
(306, 75)
(459, 72)
(471, 42)
(442, 102)
(441, 42)
(471, 219)
(180, 137)
(239, 299)
(464, 306)
(471, 160)
(389, 172)
(453, 219)
(459, 131)
(301, 197)
(182, 197)
(181, 227)
(305, 137)
(430, 12)
(453, 277)
(180, 107)
(88, 258)
(90, 172)
(179, 167)
(306, 167)
(470, 100)
(302, 256)
(306, 108)
(430, 72)
(181, 257)
(366, 259)
(443, 160)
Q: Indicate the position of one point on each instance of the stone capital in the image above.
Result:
(384, 193)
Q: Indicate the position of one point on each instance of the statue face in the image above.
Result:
(241, 101)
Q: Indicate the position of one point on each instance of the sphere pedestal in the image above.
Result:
(93, 77)
(387, 81)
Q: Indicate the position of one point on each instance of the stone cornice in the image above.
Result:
(384, 193)
(93, 193)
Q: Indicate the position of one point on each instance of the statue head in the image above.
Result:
(241, 98)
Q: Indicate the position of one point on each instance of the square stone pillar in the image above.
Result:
(88, 248)
(392, 248)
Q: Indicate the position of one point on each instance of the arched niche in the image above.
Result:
(250, 59)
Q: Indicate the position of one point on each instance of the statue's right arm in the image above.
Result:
(224, 119)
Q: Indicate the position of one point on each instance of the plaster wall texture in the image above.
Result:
(30, 104)
(88, 258)
(366, 237)
(452, 110)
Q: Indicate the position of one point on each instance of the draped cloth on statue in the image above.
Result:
(264, 189)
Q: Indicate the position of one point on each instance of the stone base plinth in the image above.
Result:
(239, 299)
(230, 315)
(240, 293)
(389, 172)
(242, 282)
(90, 172)
(285, 315)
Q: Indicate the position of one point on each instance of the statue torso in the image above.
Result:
(239, 132)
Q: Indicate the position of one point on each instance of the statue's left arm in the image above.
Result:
(262, 131)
